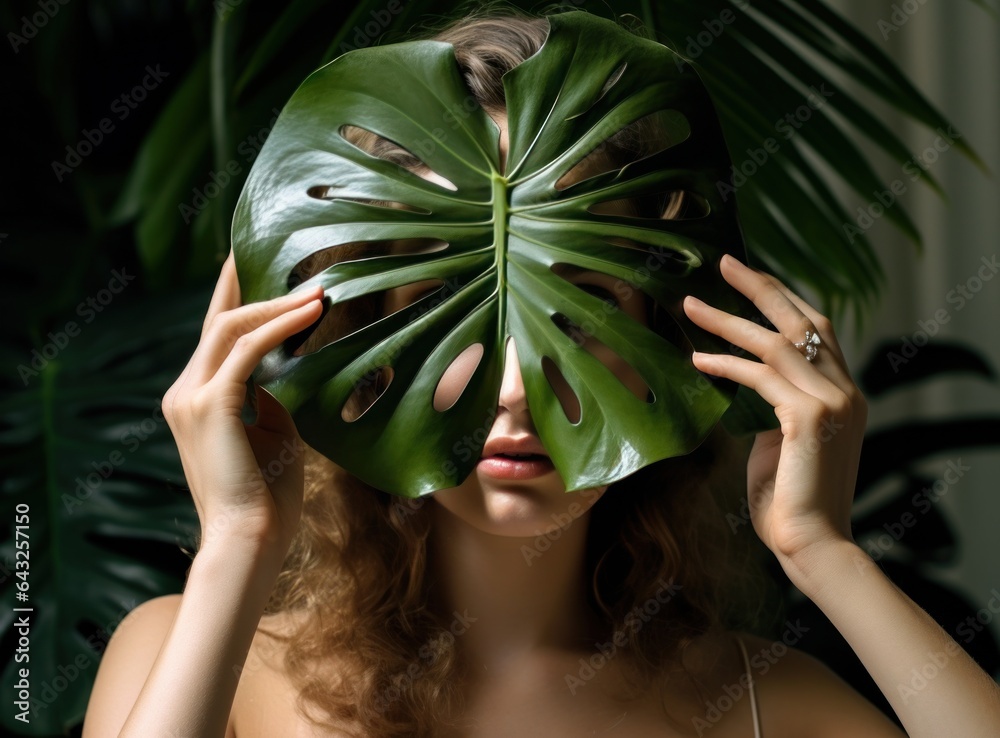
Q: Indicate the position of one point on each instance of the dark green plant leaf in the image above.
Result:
(278, 35)
(87, 457)
(891, 449)
(902, 363)
(504, 231)
(771, 32)
(753, 59)
(911, 519)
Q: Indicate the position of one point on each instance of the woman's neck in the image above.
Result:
(510, 597)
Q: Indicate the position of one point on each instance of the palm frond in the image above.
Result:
(750, 56)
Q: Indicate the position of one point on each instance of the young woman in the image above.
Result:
(317, 605)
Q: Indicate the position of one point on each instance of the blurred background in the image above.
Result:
(132, 126)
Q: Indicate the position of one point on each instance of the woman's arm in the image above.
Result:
(184, 679)
(173, 665)
(934, 686)
(800, 483)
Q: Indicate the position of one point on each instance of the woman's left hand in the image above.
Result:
(800, 476)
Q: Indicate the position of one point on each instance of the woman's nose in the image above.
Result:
(512, 396)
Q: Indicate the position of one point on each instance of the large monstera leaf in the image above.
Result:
(505, 228)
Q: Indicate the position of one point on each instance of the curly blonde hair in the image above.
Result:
(357, 570)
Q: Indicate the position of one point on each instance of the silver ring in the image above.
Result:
(810, 346)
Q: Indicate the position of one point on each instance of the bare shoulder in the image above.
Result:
(126, 663)
(799, 695)
(266, 700)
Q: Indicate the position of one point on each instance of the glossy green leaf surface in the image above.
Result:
(505, 228)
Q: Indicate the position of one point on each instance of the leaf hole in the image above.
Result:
(421, 295)
(568, 400)
(335, 323)
(417, 246)
(675, 261)
(312, 338)
(347, 316)
(367, 390)
(612, 80)
(618, 295)
(667, 205)
(634, 142)
(321, 259)
(329, 193)
(665, 325)
(622, 370)
(380, 147)
(456, 377)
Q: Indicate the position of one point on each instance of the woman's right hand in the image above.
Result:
(246, 480)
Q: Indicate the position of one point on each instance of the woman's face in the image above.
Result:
(510, 497)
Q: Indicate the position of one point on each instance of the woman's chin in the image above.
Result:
(518, 510)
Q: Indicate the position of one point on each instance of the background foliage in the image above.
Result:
(102, 183)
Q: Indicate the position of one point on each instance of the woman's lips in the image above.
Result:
(508, 467)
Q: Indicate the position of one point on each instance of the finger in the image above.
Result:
(765, 380)
(818, 319)
(226, 295)
(248, 350)
(772, 302)
(785, 311)
(228, 327)
(770, 347)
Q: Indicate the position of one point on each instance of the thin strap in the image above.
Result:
(753, 694)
